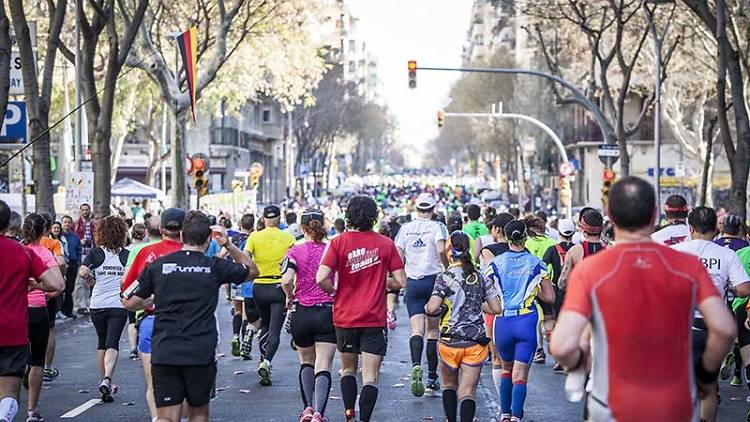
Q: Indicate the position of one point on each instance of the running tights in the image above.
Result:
(270, 301)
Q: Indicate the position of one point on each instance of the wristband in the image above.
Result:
(703, 375)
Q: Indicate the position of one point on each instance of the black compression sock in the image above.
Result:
(307, 383)
(349, 391)
(415, 346)
(367, 400)
(737, 361)
(322, 391)
(468, 409)
(450, 401)
(432, 359)
(236, 324)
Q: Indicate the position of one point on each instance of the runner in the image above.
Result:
(268, 248)
(521, 277)
(676, 230)
(740, 357)
(245, 319)
(421, 245)
(727, 273)
(170, 223)
(34, 228)
(632, 355)
(591, 225)
(474, 228)
(28, 274)
(730, 236)
(311, 316)
(457, 298)
(361, 260)
(486, 239)
(103, 269)
(53, 302)
(185, 288)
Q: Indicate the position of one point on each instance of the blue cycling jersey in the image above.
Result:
(518, 275)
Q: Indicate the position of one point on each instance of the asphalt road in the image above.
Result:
(241, 398)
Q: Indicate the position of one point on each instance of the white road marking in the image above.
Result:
(80, 409)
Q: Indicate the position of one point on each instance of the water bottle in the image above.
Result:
(575, 385)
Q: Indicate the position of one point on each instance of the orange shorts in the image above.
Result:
(454, 357)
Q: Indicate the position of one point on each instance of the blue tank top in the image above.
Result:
(518, 275)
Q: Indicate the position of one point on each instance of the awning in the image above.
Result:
(133, 189)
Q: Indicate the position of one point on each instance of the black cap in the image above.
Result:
(172, 218)
(271, 211)
(732, 222)
(455, 222)
(311, 214)
(515, 231)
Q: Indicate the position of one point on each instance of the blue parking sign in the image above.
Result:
(14, 125)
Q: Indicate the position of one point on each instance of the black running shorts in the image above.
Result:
(38, 335)
(173, 384)
(13, 360)
(312, 324)
(373, 340)
(109, 323)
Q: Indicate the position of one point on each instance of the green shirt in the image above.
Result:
(475, 229)
(135, 249)
(744, 255)
(539, 245)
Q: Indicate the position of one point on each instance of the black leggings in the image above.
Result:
(38, 335)
(109, 323)
(270, 301)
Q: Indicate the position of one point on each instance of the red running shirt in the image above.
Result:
(14, 283)
(640, 299)
(146, 256)
(362, 261)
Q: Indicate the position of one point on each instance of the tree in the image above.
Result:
(223, 29)
(4, 60)
(101, 16)
(38, 101)
(726, 22)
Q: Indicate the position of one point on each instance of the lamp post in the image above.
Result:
(649, 9)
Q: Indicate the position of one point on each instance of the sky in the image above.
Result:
(432, 32)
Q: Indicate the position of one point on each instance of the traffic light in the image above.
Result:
(256, 171)
(609, 178)
(412, 74)
(609, 175)
(441, 118)
(198, 169)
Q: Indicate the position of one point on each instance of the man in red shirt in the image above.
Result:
(170, 227)
(362, 259)
(639, 298)
(27, 272)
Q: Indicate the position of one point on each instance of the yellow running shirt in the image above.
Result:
(268, 248)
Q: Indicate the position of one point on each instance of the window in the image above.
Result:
(479, 39)
(266, 115)
(217, 183)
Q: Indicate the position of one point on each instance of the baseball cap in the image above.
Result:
(455, 222)
(172, 218)
(732, 222)
(311, 214)
(425, 201)
(271, 211)
(566, 227)
(515, 231)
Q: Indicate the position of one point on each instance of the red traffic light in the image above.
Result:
(199, 163)
(609, 175)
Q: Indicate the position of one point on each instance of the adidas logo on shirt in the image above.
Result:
(419, 244)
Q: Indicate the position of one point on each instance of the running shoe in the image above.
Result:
(317, 417)
(235, 346)
(350, 415)
(736, 381)
(247, 345)
(34, 416)
(727, 366)
(505, 417)
(264, 372)
(432, 387)
(133, 355)
(391, 321)
(50, 374)
(105, 387)
(540, 357)
(307, 415)
(558, 368)
(417, 386)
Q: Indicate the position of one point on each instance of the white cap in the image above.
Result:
(566, 227)
(425, 201)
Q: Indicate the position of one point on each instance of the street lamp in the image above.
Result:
(649, 9)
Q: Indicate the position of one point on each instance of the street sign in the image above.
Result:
(14, 125)
(608, 153)
(16, 74)
(567, 169)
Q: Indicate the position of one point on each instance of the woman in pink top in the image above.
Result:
(312, 316)
(33, 230)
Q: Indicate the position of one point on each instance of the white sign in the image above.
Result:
(609, 150)
(566, 169)
(16, 74)
(79, 189)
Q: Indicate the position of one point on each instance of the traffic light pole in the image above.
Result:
(556, 139)
(580, 96)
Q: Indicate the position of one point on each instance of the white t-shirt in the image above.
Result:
(418, 239)
(722, 264)
(108, 268)
(553, 234)
(672, 234)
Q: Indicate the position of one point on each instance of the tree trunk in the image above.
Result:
(4, 61)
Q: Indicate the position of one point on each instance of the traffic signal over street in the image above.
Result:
(198, 169)
(441, 118)
(412, 74)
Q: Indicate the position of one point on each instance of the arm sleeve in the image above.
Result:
(230, 272)
(737, 273)
(578, 295)
(395, 263)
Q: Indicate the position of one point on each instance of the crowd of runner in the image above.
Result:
(643, 317)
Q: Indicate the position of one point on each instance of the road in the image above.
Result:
(242, 399)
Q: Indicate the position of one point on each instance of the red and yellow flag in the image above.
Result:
(188, 41)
